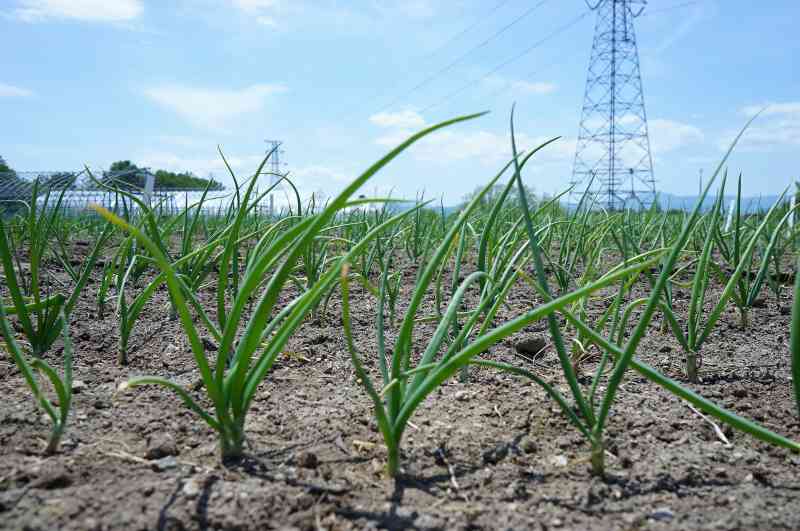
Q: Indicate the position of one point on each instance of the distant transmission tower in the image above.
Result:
(613, 143)
(275, 166)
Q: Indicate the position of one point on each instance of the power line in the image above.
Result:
(466, 30)
(670, 8)
(509, 85)
(439, 48)
(507, 62)
(463, 56)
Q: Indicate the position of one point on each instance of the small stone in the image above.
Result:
(319, 339)
(191, 488)
(166, 463)
(307, 460)
(662, 514)
(530, 346)
(462, 396)
(761, 475)
(496, 454)
(209, 345)
(760, 302)
(665, 348)
(78, 386)
(161, 445)
(528, 445)
(559, 460)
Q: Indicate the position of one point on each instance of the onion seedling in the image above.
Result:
(698, 332)
(404, 387)
(62, 385)
(589, 420)
(40, 317)
(232, 381)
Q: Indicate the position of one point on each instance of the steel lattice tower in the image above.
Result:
(613, 143)
(275, 164)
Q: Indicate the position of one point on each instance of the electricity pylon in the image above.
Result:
(613, 148)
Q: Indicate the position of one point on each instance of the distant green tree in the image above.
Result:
(11, 185)
(183, 181)
(124, 172)
(5, 168)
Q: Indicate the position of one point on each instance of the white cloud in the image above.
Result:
(265, 20)
(212, 108)
(332, 15)
(164, 160)
(86, 10)
(181, 140)
(254, 6)
(453, 145)
(319, 175)
(520, 86)
(669, 135)
(529, 87)
(11, 91)
(486, 147)
(406, 119)
(264, 12)
(665, 135)
(778, 126)
(779, 133)
(773, 109)
(414, 8)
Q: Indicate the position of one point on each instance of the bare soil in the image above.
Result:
(493, 453)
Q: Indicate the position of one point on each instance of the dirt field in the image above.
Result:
(494, 453)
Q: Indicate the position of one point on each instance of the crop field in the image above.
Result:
(374, 363)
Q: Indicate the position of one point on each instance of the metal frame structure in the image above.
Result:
(613, 148)
(275, 164)
(80, 191)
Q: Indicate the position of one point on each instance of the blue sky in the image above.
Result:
(163, 82)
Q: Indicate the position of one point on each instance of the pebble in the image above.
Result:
(307, 460)
(462, 396)
(530, 345)
(166, 463)
(209, 345)
(161, 445)
(663, 514)
(528, 445)
(191, 488)
(496, 454)
(78, 386)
